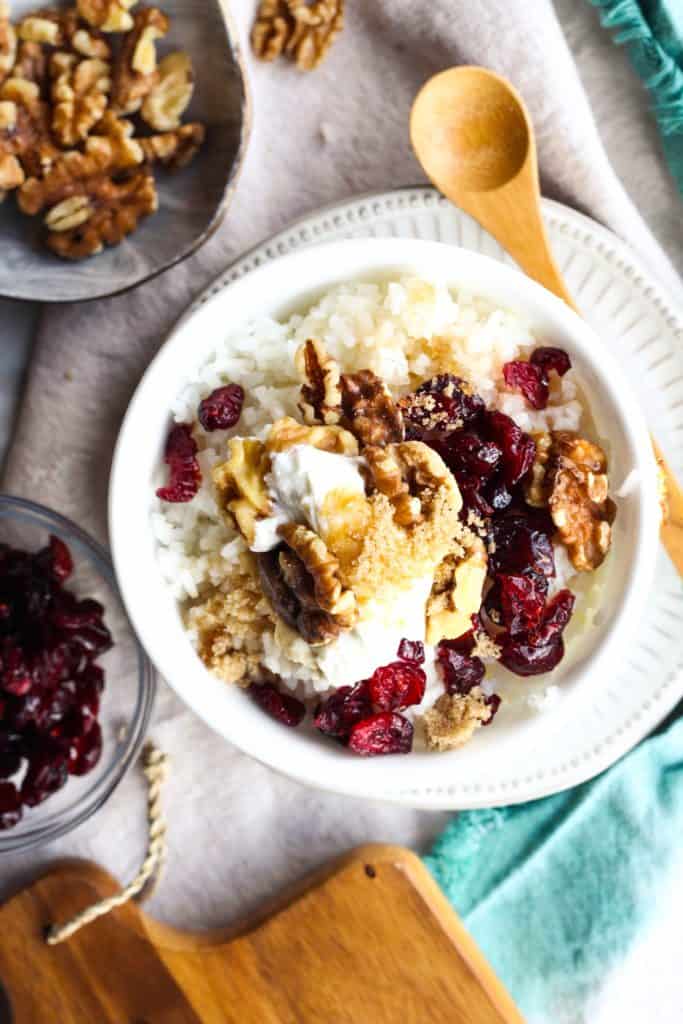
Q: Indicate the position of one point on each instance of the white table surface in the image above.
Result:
(648, 985)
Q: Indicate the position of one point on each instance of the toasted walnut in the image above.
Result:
(457, 591)
(8, 42)
(369, 411)
(316, 27)
(135, 70)
(171, 95)
(454, 719)
(409, 474)
(32, 64)
(117, 209)
(287, 432)
(24, 128)
(42, 28)
(321, 564)
(240, 483)
(302, 31)
(174, 149)
(112, 142)
(70, 175)
(108, 15)
(11, 173)
(70, 213)
(290, 589)
(536, 490)
(577, 486)
(321, 394)
(79, 96)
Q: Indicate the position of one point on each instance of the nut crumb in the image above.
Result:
(454, 719)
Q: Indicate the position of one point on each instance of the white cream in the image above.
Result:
(374, 640)
(299, 481)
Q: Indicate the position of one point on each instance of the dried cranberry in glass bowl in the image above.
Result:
(57, 720)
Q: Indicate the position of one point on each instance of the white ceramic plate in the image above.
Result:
(646, 682)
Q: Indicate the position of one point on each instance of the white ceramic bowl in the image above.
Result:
(278, 289)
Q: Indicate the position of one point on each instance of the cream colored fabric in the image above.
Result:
(237, 830)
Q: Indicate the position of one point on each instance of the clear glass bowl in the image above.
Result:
(130, 681)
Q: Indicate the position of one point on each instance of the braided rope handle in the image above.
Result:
(155, 766)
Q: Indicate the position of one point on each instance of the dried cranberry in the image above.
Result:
(181, 458)
(520, 547)
(85, 751)
(384, 733)
(522, 601)
(411, 650)
(529, 380)
(9, 764)
(460, 671)
(440, 405)
(469, 457)
(46, 773)
(283, 707)
(222, 409)
(549, 358)
(540, 650)
(398, 685)
(10, 805)
(57, 559)
(336, 715)
(518, 448)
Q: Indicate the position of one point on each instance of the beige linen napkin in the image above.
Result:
(237, 830)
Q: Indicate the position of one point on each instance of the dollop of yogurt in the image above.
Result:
(298, 483)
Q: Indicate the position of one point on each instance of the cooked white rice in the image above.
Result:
(381, 326)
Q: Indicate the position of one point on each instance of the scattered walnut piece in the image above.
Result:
(79, 94)
(457, 591)
(174, 149)
(135, 70)
(536, 490)
(107, 15)
(8, 42)
(320, 394)
(24, 131)
(577, 487)
(287, 432)
(44, 27)
(171, 94)
(316, 27)
(303, 31)
(454, 719)
(11, 172)
(117, 209)
(410, 474)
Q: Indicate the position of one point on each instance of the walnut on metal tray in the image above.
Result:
(577, 495)
(409, 474)
(105, 216)
(171, 94)
(80, 91)
(8, 42)
(174, 149)
(64, 148)
(300, 30)
(135, 70)
(107, 15)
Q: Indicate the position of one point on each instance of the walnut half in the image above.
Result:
(410, 474)
(8, 42)
(577, 487)
(302, 31)
(320, 393)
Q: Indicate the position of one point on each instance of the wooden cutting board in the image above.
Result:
(368, 940)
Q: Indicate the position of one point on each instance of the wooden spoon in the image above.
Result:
(473, 136)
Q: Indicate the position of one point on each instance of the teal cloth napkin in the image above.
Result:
(652, 32)
(554, 891)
